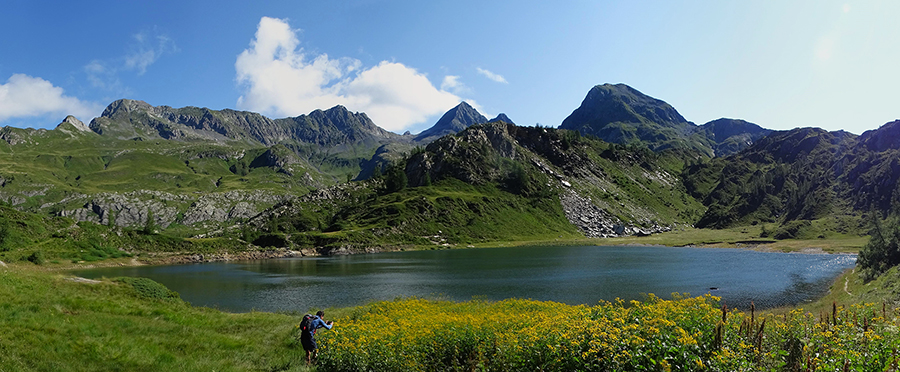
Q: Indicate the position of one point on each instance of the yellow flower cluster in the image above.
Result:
(655, 334)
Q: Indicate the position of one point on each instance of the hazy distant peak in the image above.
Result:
(502, 117)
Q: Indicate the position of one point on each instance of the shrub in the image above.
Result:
(36, 258)
(148, 288)
(4, 236)
(271, 240)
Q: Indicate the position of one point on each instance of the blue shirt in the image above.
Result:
(317, 323)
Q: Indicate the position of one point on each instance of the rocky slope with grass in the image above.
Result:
(494, 181)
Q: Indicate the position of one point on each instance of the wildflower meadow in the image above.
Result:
(683, 334)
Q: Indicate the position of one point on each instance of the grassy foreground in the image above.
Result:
(52, 323)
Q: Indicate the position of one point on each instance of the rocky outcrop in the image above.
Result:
(595, 222)
(204, 210)
(127, 210)
(72, 123)
(234, 205)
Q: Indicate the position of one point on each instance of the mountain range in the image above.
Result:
(622, 163)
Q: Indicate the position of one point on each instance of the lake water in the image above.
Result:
(572, 274)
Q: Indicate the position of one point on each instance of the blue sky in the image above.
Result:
(780, 64)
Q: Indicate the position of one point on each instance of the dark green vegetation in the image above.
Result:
(883, 249)
(800, 175)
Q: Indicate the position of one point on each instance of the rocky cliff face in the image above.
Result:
(134, 209)
(71, 123)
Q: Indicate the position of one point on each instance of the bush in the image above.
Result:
(36, 258)
(4, 236)
(148, 288)
(684, 334)
(395, 178)
(271, 240)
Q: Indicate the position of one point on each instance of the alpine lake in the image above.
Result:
(568, 274)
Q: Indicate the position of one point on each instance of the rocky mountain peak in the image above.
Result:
(611, 103)
(124, 106)
(502, 117)
(75, 123)
(453, 121)
(618, 113)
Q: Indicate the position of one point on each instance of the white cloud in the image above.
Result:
(451, 82)
(149, 46)
(25, 96)
(491, 75)
(279, 78)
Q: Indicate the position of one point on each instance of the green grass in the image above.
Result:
(852, 288)
(744, 237)
(51, 323)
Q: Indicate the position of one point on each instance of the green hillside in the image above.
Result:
(491, 182)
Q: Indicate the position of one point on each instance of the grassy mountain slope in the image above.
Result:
(797, 175)
(60, 172)
(491, 182)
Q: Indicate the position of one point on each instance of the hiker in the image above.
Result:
(308, 337)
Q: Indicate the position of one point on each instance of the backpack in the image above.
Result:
(306, 324)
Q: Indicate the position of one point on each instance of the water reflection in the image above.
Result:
(573, 275)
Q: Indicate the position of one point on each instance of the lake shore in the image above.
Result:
(694, 238)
